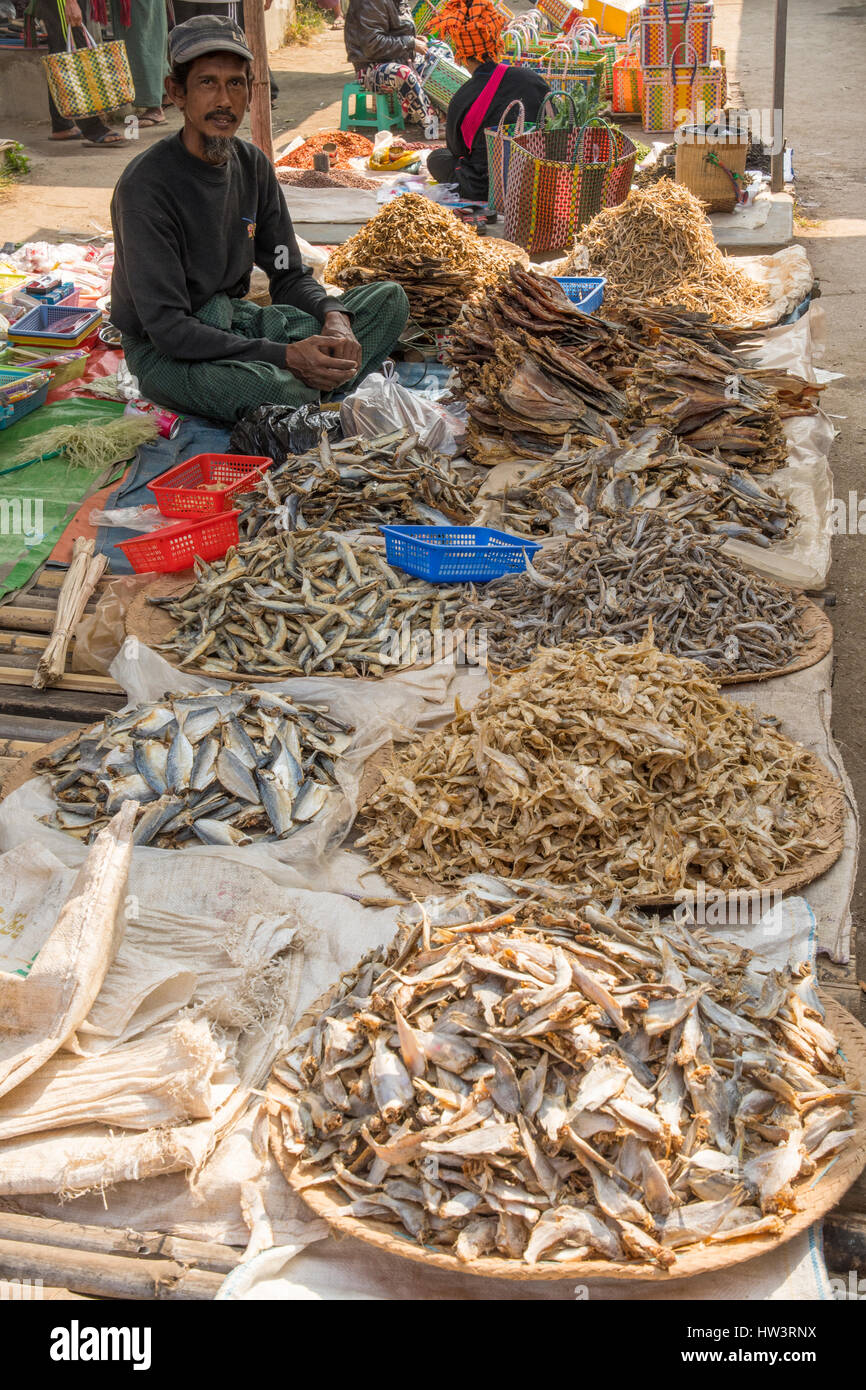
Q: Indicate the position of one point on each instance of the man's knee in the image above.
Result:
(394, 302)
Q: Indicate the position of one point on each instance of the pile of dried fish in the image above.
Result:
(615, 769)
(634, 574)
(213, 768)
(305, 603)
(437, 259)
(650, 472)
(360, 482)
(557, 1085)
(536, 372)
(658, 246)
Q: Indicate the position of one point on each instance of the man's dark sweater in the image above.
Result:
(518, 84)
(184, 231)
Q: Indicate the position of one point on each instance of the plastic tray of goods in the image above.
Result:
(207, 483)
(445, 554)
(55, 325)
(586, 292)
(175, 547)
(11, 413)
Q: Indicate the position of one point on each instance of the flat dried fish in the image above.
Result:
(466, 1175)
(215, 769)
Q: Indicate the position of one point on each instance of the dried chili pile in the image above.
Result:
(349, 146)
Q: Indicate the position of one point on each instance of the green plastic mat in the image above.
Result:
(38, 501)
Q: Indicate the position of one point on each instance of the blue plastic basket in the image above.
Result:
(445, 554)
(11, 414)
(586, 292)
(49, 324)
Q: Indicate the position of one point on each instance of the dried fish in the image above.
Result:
(658, 246)
(438, 260)
(629, 575)
(612, 768)
(307, 603)
(535, 372)
(482, 1172)
(217, 768)
(360, 483)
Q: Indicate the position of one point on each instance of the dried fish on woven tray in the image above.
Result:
(617, 769)
(649, 472)
(629, 575)
(357, 483)
(658, 246)
(302, 604)
(552, 1084)
(534, 370)
(213, 769)
(439, 262)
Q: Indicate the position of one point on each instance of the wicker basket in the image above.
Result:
(711, 167)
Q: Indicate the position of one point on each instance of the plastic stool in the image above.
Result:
(387, 111)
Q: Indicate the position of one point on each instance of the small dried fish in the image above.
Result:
(612, 768)
(481, 1172)
(360, 483)
(306, 603)
(630, 575)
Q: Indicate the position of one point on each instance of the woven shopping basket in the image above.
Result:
(682, 92)
(86, 80)
(442, 77)
(498, 152)
(559, 179)
(627, 92)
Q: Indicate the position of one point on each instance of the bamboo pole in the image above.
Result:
(82, 577)
(107, 1240)
(106, 1276)
(260, 102)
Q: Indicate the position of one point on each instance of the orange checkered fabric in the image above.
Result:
(473, 28)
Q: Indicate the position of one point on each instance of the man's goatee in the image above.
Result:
(216, 148)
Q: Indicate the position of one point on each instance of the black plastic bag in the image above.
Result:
(276, 431)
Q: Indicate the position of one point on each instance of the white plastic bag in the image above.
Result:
(129, 518)
(381, 404)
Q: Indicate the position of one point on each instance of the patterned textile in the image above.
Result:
(224, 390)
(473, 28)
(405, 81)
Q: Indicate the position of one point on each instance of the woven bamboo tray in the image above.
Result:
(815, 1197)
(153, 625)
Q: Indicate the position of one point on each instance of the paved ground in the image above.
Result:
(71, 188)
(826, 51)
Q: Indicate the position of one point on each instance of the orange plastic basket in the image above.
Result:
(182, 491)
(175, 547)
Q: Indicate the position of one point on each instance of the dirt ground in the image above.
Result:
(70, 185)
(70, 188)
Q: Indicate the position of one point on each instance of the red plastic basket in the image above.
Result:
(180, 491)
(175, 547)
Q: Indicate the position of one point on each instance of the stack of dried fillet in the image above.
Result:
(439, 262)
(615, 769)
(536, 372)
(551, 1084)
(360, 482)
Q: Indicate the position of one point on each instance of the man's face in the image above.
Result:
(214, 102)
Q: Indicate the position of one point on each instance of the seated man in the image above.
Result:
(473, 28)
(191, 216)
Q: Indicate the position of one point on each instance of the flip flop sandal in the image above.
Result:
(109, 141)
(61, 137)
(151, 120)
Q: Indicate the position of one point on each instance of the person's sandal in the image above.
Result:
(108, 141)
(61, 136)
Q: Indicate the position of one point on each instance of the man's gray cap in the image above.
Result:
(207, 33)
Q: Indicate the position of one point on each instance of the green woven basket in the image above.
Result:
(442, 81)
